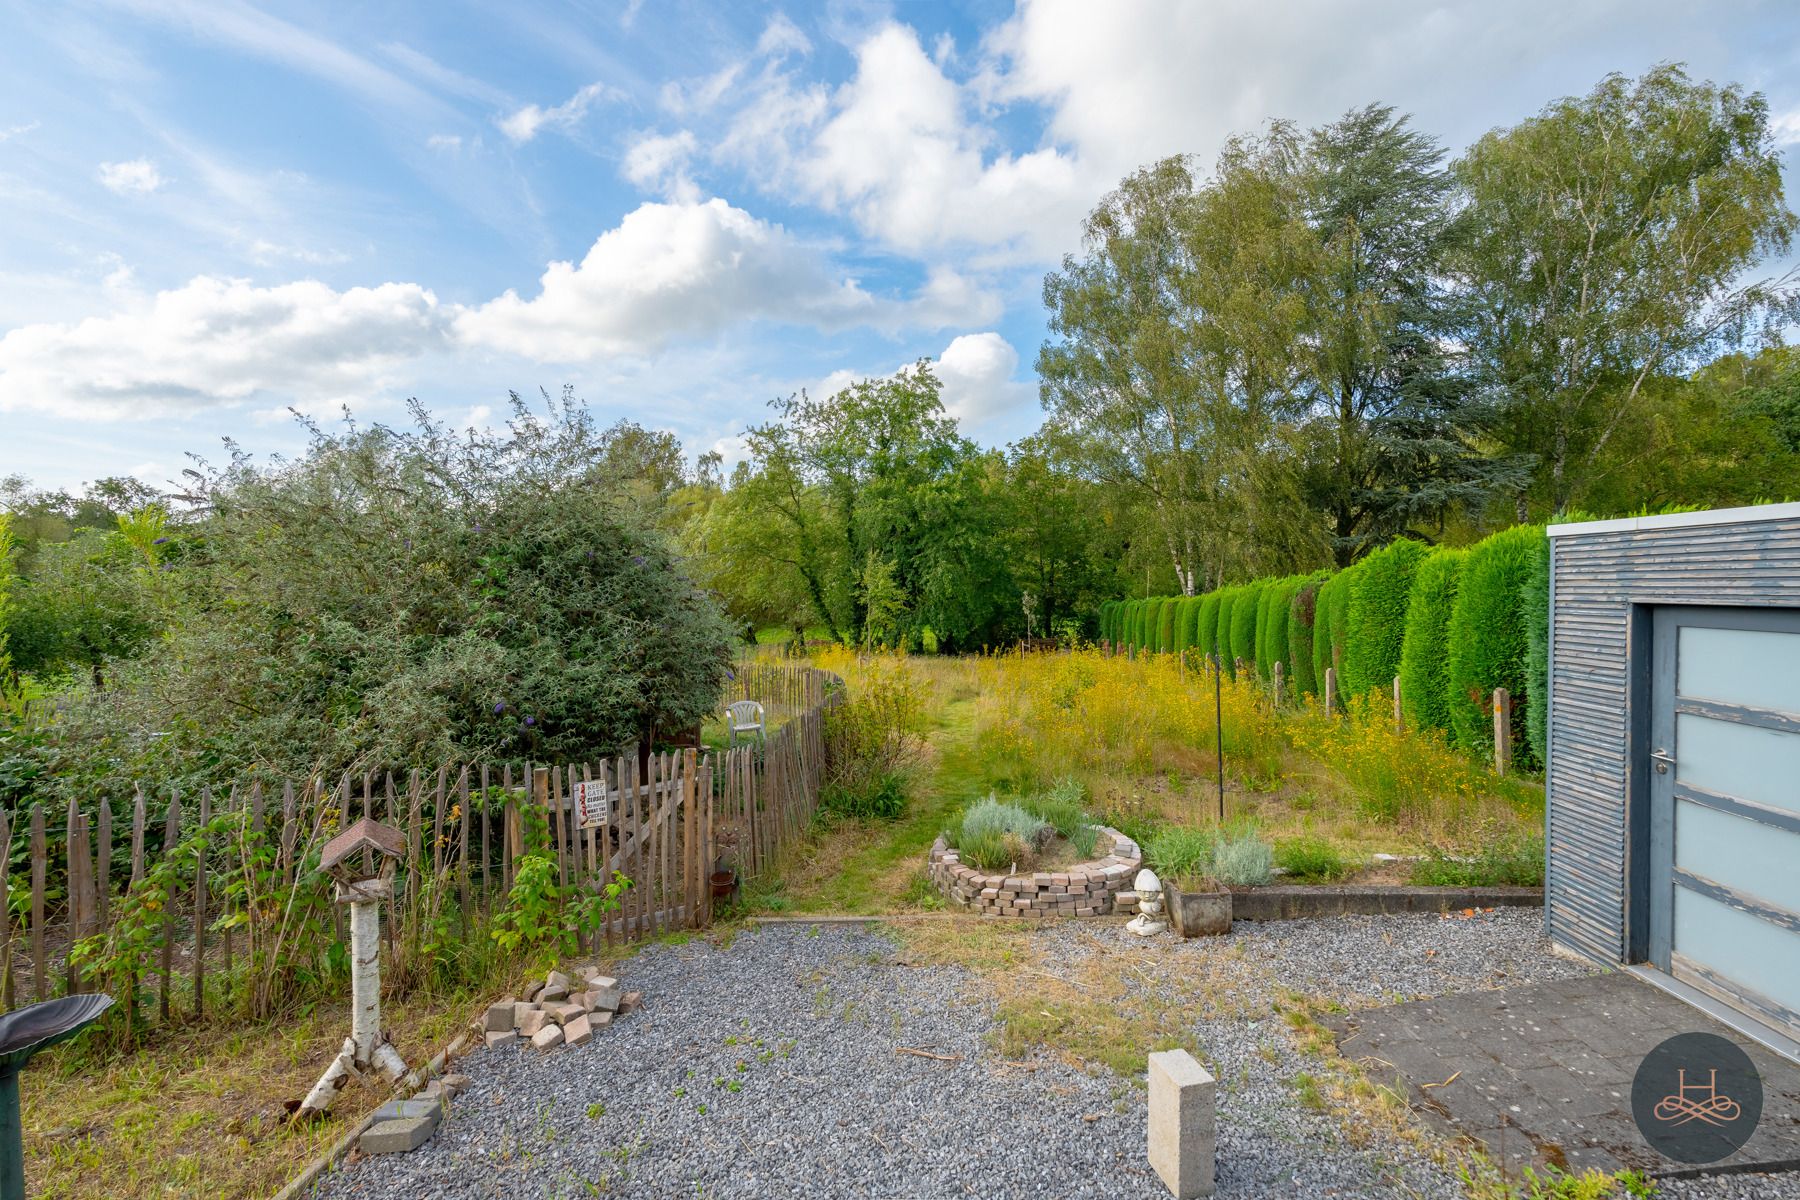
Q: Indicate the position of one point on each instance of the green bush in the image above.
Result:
(1176, 852)
(1243, 621)
(1321, 641)
(1423, 659)
(1272, 622)
(1512, 862)
(1302, 613)
(1165, 624)
(1134, 611)
(1486, 639)
(1376, 620)
(882, 798)
(1063, 807)
(1534, 605)
(1243, 859)
(1185, 611)
(1206, 623)
(1228, 601)
(1337, 616)
(1310, 860)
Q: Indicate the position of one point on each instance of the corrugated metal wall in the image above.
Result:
(1596, 579)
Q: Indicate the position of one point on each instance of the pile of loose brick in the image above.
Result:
(557, 1012)
(1098, 888)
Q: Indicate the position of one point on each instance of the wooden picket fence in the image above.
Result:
(670, 821)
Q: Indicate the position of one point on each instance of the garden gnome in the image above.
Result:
(1149, 890)
(361, 859)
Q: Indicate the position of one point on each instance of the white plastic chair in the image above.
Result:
(743, 717)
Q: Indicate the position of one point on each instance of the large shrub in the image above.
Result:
(1375, 626)
(1228, 602)
(1337, 620)
(1243, 622)
(1302, 614)
(1206, 623)
(1271, 627)
(1165, 624)
(1423, 659)
(1487, 640)
(1534, 604)
(401, 597)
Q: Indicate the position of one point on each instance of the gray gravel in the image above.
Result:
(806, 1022)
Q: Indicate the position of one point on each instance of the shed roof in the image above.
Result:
(1708, 516)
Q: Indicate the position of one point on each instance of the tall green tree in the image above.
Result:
(1606, 241)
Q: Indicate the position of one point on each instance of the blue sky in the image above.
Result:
(213, 211)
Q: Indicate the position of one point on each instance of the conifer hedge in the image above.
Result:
(1487, 642)
(1228, 601)
(1271, 627)
(1535, 603)
(1243, 621)
(1206, 623)
(1423, 658)
(1375, 618)
(1302, 609)
(1165, 624)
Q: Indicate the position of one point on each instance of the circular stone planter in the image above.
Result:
(1089, 889)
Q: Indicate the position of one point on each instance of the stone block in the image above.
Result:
(534, 1023)
(519, 1011)
(577, 1030)
(1181, 1131)
(420, 1107)
(501, 1037)
(547, 1038)
(630, 1001)
(499, 1016)
(396, 1137)
(532, 990)
(603, 993)
(562, 1014)
(600, 1020)
(457, 1083)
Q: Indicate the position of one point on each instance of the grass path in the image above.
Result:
(872, 867)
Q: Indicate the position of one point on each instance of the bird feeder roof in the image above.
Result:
(365, 834)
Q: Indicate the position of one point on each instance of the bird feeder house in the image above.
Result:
(361, 860)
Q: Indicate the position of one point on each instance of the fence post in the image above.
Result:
(1399, 717)
(1330, 690)
(103, 847)
(81, 889)
(1277, 679)
(1502, 730)
(6, 942)
(171, 836)
(40, 973)
(200, 904)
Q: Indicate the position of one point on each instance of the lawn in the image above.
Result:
(1330, 793)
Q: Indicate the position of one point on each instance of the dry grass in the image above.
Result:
(198, 1110)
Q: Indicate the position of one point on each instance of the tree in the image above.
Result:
(1605, 241)
(1392, 425)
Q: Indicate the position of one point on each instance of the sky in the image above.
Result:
(213, 212)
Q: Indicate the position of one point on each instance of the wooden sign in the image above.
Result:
(592, 805)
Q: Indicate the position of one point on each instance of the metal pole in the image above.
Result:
(1219, 731)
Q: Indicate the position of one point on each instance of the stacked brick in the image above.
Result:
(1090, 889)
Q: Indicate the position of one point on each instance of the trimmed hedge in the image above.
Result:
(1302, 610)
(1534, 602)
(1375, 624)
(1487, 639)
(1186, 614)
(1423, 661)
(1206, 623)
(1271, 627)
(1243, 621)
(1228, 601)
(1165, 624)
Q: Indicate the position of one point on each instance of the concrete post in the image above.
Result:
(1330, 690)
(1502, 730)
(1181, 1135)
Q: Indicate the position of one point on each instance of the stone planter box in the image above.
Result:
(1198, 914)
(1088, 889)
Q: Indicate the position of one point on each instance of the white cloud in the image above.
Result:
(523, 124)
(216, 342)
(13, 131)
(977, 373)
(782, 37)
(1786, 128)
(448, 142)
(137, 177)
(684, 98)
(898, 148)
(659, 162)
(669, 270)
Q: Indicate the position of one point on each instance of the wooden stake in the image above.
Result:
(171, 837)
(40, 853)
(1399, 716)
(1502, 731)
(1330, 690)
(1277, 679)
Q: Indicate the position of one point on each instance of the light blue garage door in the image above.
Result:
(1725, 806)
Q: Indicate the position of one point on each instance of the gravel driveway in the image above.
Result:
(772, 1068)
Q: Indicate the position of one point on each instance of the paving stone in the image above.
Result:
(562, 1014)
(397, 1137)
(499, 1016)
(577, 1030)
(519, 1011)
(502, 1037)
(600, 1020)
(407, 1110)
(603, 990)
(457, 1083)
(547, 1038)
(534, 1023)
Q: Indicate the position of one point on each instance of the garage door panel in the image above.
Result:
(1751, 857)
(1735, 759)
(1759, 668)
(1745, 950)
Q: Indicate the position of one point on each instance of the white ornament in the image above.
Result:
(1150, 905)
